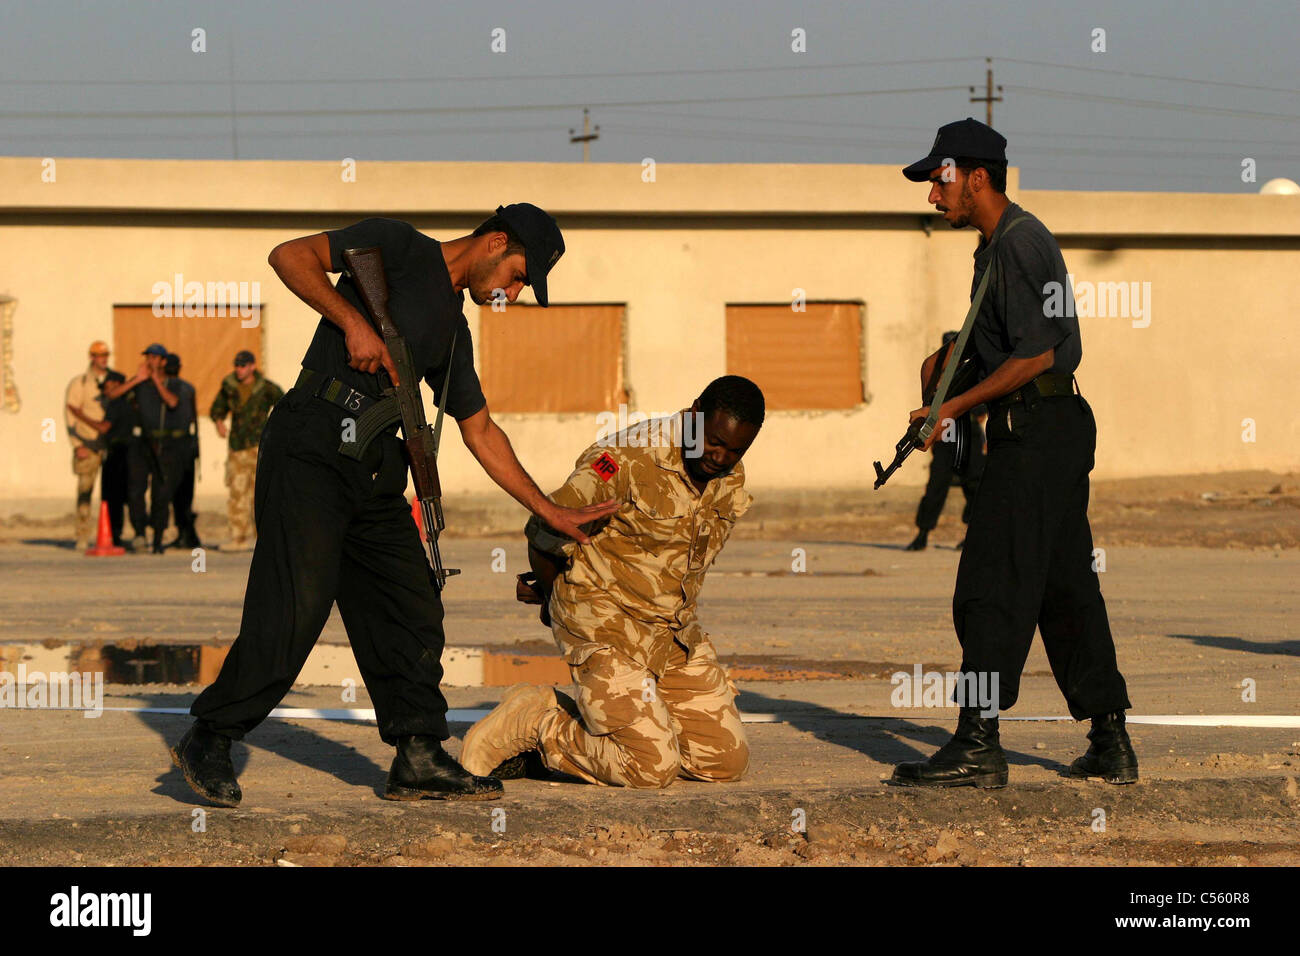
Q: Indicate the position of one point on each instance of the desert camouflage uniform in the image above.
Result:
(84, 394)
(652, 699)
(248, 407)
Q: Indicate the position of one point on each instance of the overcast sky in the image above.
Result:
(1182, 94)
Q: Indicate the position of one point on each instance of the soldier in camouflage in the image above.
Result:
(652, 701)
(247, 397)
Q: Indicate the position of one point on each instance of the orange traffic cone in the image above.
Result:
(415, 515)
(104, 546)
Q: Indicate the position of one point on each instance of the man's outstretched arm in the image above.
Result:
(490, 446)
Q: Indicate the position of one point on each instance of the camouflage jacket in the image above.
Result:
(246, 418)
(635, 586)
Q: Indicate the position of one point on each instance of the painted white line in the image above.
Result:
(465, 716)
(468, 716)
(1277, 721)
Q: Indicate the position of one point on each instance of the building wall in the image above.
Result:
(1169, 397)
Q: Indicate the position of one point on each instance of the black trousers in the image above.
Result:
(332, 529)
(139, 460)
(167, 471)
(941, 476)
(183, 500)
(1028, 559)
(113, 485)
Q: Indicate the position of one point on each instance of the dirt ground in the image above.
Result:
(1200, 586)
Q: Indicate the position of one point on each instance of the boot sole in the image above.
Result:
(408, 795)
(982, 782)
(185, 772)
(1118, 779)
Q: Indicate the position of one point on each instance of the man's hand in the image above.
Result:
(946, 411)
(567, 520)
(82, 451)
(221, 428)
(368, 353)
(142, 374)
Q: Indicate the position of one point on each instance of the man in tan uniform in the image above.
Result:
(247, 396)
(86, 427)
(653, 702)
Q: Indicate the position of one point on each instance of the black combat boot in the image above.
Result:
(204, 758)
(1110, 753)
(423, 770)
(157, 543)
(972, 758)
(919, 542)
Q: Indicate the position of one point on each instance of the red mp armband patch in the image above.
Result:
(605, 466)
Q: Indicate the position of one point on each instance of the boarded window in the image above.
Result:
(801, 360)
(206, 344)
(568, 358)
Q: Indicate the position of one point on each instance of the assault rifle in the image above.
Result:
(963, 379)
(366, 269)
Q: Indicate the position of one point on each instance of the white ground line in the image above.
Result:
(466, 716)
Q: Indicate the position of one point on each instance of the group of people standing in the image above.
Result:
(142, 433)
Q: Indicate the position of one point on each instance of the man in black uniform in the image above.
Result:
(114, 480)
(943, 455)
(1028, 554)
(152, 398)
(182, 424)
(330, 528)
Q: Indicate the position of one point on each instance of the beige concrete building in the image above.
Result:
(1193, 374)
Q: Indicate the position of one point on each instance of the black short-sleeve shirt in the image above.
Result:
(181, 417)
(119, 411)
(1023, 313)
(421, 303)
(153, 410)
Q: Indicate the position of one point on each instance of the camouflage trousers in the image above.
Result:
(632, 730)
(85, 469)
(241, 470)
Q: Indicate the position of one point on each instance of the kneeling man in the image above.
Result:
(653, 703)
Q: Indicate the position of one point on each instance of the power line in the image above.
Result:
(1156, 104)
(434, 110)
(1039, 133)
(1151, 76)
(479, 78)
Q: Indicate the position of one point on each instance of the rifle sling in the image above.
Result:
(941, 393)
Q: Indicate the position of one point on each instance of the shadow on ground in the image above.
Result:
(1226, 643)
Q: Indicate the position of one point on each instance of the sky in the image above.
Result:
(1181, 95)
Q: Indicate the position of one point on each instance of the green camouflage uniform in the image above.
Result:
(654, 702)
(247, 419)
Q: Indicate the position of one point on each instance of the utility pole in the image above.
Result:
(988, 99)
(587, 136)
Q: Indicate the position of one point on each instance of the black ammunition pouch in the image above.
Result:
(373, 416)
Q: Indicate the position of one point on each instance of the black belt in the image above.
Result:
(1046, 385)
(332, 390)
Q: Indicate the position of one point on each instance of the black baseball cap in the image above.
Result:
(543, 243)
(964, 139)
(244, 357)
